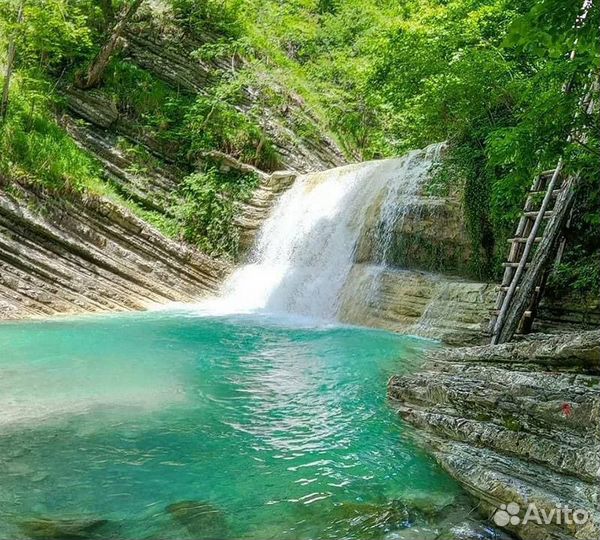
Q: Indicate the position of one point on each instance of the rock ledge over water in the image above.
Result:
(518, 422)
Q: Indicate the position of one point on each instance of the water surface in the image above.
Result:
(173, 425)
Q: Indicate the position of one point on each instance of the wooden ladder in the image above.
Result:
(519, 296)
(539, 204)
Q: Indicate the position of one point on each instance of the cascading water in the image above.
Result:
(306, 248)
(231, 427)
(401, 196)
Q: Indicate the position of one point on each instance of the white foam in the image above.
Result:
(305, 249)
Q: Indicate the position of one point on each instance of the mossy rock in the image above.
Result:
(200, 518)
(49, 528)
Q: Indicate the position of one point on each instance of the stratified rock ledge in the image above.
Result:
(518, 422)
(87, 254)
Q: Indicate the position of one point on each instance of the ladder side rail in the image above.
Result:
(539, 264)
(527, 324)
(513, 255)
(526, 251)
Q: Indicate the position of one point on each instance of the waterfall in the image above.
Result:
(306, 248)
(402, 195)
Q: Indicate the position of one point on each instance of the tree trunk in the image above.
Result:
(98, 66)
(10, 61)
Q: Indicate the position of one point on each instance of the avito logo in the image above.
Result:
(509, 514)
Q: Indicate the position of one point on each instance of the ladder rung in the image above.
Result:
(504, 288)
(534, 213)
(523, 239)
(555, 192)
(549, 172)
(513, 264)
(497, 312)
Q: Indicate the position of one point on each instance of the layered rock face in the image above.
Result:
(89, 255)
(518, 423)
(421, 303)
(415, 277)
(253, 213)
(72, 254)
(567, 311)
(429, 235)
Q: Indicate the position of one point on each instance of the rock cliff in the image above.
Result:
(424, 283)
(86, 254)
(518, 423)
(63, 253)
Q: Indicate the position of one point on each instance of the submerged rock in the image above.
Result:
(472, 530)
(370, 520)
(201, 519)
(418, 517)
(50, 528)
(369, 517)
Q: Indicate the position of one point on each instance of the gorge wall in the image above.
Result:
(76, 253)
(70, 252)
(419, 282)
(87, 254)
(422, 284)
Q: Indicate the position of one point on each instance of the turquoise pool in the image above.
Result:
(175, 425)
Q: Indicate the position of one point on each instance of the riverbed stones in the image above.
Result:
(62, 529)
(201, 519)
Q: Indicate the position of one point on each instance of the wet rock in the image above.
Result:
(430, 236)
(65, 529)
(200, 518)
(253, 212)
(437, 306)
(579, 351)
(511, 427)
(473, 530)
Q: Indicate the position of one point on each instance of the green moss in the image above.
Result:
(512, 424)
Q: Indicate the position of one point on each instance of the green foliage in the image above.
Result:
(33, 145)
(512, 424)
(213, 123)
(148, 101)
(580, 273)
(207, 208)
(488, 75)
(383, 75)
(193, 125)
(209, 16)
(54, 34)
